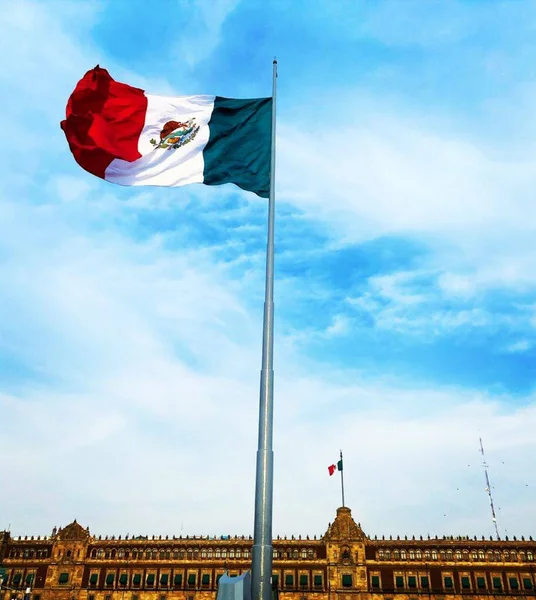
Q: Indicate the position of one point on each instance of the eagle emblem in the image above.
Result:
(175, 134)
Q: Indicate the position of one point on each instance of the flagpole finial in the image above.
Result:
(275, 60)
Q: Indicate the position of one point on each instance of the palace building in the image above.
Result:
(344, 564)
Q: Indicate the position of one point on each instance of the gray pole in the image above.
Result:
(261, 567)
(342, 479)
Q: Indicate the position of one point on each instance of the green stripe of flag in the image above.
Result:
(239, 147)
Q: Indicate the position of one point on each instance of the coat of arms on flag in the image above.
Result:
(175, 134)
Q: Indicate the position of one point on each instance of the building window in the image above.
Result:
(93, 578)
(346, 581)
(387, 554)
(466, 583)
(458, 555)
(513, 583)
(418, 555)
(164, 578)
(162, 598)
(396, 555)
(434, 554)
(304, 553)
(447, 581)
(110, 579)
(64, 578)
(304, 581)
(481, 583)
(380, 554)
(497, 583)
(375, 581)
(424, 582)
(136, 580)
(191, 580)
(177, 581)
(150, 580)
(123, 579)
(412, 554)
(474, 555)
(108, 597)
(530, 556)
(402, 555)
(289, 580)
(399, 581)
(412, 581)
(203, 553)
(527, 583)
(481, 555)
(205, 579)
(317, 580)
(135, 597)
(37, 597)
(90, 597)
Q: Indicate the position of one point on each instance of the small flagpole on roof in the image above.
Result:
(339, 466)
(262, 552)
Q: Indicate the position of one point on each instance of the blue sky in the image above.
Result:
(130, 319)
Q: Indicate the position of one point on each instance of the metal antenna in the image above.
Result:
(488, 489)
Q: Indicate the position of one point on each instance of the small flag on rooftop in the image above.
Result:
(335, 467)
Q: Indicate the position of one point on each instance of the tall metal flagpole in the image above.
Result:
(261, 567)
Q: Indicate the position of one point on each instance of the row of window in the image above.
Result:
(467, 582)
(464, 555)
(29, 553)
(18, 580)
(196, 553)
(177, 580)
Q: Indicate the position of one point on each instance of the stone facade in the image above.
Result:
(345, 564)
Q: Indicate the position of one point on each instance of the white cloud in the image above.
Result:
(206, 21)
(519, 346)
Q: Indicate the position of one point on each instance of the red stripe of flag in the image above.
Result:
(332, 469)
(104, 121)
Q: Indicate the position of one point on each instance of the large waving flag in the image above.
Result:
(127, 136)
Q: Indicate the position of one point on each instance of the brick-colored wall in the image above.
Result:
(345, 559)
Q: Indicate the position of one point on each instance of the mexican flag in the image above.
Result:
(337, 467)
(127, 136)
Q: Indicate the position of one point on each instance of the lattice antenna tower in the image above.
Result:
(488, 489)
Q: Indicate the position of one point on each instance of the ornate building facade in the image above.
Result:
(344, 564)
